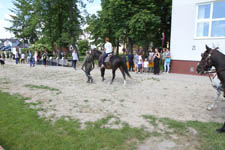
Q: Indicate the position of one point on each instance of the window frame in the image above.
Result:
(208, 20)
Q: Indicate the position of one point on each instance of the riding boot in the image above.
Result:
(221, 130)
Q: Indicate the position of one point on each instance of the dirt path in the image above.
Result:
(180, 97)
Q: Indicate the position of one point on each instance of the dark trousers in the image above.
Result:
(17, 60)
(74, 63)
(104, 56)
(131, 65)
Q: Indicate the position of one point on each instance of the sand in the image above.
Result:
(176, 96)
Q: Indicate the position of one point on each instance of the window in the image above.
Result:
(210, 20)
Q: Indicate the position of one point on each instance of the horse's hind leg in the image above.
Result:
(113, 75)
(102, 73)
(124, 75)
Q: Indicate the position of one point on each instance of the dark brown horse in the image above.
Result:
(114, 63)
(213, 57)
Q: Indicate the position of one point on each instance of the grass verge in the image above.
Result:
(206, 136)
(22, 129)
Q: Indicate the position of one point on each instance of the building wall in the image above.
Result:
(185, 48)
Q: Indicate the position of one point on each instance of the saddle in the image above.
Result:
(107, 59)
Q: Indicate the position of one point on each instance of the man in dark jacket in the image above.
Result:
(88, 66)
(131, 62)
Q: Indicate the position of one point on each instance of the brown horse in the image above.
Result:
(114, 63)
(213, 57)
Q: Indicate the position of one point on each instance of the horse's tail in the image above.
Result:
(125, 69)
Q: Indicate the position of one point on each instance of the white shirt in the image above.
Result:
(108, 47)
(22, 56)
(139, 60)
(145, 64)
(74, 55)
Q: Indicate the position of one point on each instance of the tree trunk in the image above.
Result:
(117, 47)
(145, 48)
(130, 45)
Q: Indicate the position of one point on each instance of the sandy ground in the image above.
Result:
(180, 97)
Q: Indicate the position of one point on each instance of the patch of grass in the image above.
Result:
(155, 79)
(151, 119)
(104, 100)
(4, 81)
(22, 129)
(207, 136)
(41, 87)
(85, 100)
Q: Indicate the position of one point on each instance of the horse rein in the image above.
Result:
(211, 77)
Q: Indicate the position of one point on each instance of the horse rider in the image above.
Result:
(107, 50)
(88, 66)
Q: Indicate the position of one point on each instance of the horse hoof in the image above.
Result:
(209, 108)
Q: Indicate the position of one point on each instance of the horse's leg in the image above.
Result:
(222, 129)
(102, 73)
(214, 104)
(113, 75)
(124, 76)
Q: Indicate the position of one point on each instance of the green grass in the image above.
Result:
(207, 136)
(22, 129)
(41, 87)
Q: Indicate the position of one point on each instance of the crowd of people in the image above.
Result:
(137, 61)
(148, 63)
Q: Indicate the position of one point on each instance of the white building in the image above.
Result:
(195, 23)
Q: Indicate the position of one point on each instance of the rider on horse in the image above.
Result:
(88, 66)
(107, 49)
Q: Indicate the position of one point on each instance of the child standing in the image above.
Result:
(146, 65)
(140, 61)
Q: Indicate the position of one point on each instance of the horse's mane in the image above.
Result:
(219, 57)
(218, 51)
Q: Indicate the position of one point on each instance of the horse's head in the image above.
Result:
(206, 62)
(96, 53)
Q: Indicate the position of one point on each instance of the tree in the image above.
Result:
(51, 22)
(131, 22)
(83, 46)
(25, 21)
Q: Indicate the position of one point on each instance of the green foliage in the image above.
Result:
(46, 21)
(40, 47)
(83, 46)
(131, 22)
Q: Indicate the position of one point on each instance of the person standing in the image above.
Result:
(140, 62)
(35, 57)
(107, 49)
(151, 60)
(32, 63)
(156, 62)
(146, 65)
(17, 56)
(22, 58)
(163, 57)
(88, 66)
(44, 57)
(167, 61)
(136, 61)
(130, 60)
(74, 58)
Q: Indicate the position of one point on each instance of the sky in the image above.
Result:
(5, 5)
